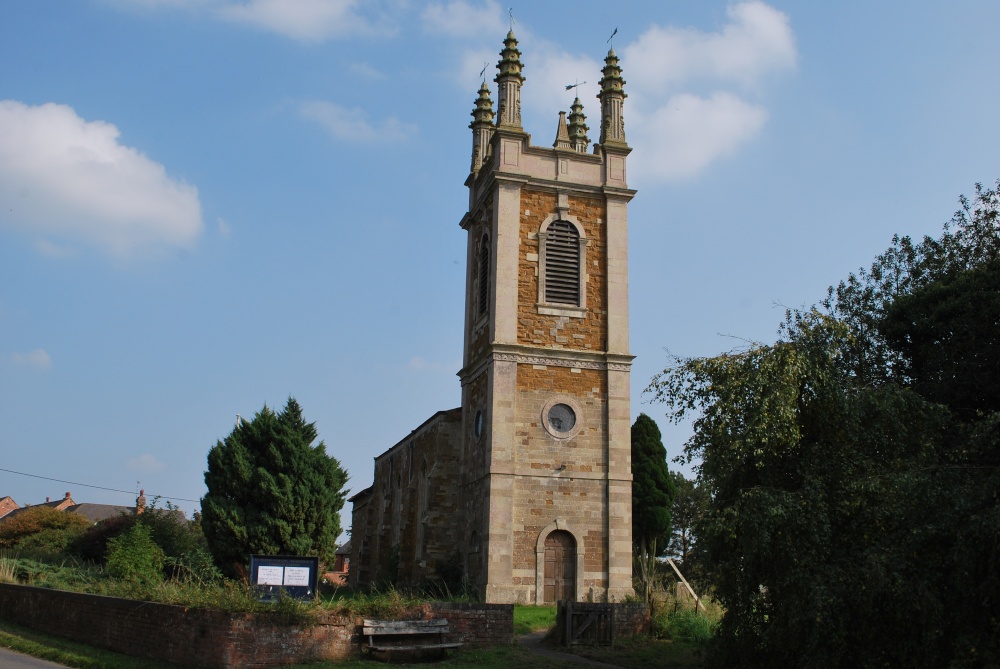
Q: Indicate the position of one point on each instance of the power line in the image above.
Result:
(87, 485)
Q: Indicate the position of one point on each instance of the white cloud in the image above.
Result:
(304, 20)
(66, 177)
(757, 40)
(462, 19)
(367, 71)
(225, 231)
(39, 359)
(146, 463)
(690, 91)
(352, 124)
(683, 137)
(52, 250)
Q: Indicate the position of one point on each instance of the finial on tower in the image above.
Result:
(482, 127)
(612, 97)
(509, 80)
(562, 134)
(578, 139)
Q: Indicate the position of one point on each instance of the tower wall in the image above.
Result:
(526, 353)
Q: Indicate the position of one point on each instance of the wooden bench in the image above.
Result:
(389, 636)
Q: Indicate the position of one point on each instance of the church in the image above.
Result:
(524, 492)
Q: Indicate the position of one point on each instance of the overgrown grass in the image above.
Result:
(8, 567)
(376, 604)
(677, 619)
(528, 619)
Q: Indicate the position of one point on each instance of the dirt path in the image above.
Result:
(533, 642)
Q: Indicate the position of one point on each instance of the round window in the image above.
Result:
(561, 418)
(477, 427)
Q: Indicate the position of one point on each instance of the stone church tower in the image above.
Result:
(524, 493)
(546, 475)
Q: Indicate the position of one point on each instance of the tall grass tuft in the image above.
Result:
(677, 618)
(8, 567)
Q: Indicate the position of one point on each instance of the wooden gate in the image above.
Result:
(560, 567)
(586, 623)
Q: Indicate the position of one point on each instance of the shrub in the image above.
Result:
(134, 556)
(167, 527)
(38, 519)
(195, 566)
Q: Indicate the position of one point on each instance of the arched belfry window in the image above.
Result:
(562, 272)
(484, 276)
(562, 264)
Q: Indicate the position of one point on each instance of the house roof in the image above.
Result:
(95, 513)
(345, 549)
(7, 504)
(363, 493)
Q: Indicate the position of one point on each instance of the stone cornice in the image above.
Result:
(533, 355)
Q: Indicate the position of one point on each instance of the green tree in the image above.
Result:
(854, 466)
(271, 491)
(652, 497)
(690, 502)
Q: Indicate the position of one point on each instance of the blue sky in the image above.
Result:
(208, 205)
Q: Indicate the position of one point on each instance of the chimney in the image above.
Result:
(47, 500)
(140, 502)
(67, 495)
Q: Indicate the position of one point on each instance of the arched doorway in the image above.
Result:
(560, 567)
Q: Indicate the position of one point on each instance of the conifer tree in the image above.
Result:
(652, 496)
(271, 491)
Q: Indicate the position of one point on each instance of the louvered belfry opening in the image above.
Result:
(484, 275)
(562, 264)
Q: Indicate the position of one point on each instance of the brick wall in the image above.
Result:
(628, 620)
(589, 332)
(206, 638)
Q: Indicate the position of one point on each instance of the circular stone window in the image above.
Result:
(561, 417)
(477, 426)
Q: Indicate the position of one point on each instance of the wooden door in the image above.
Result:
(560, 567)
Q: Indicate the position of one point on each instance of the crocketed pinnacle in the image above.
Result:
(578, 127)
(612, 97)
(483, 111)
(562, 137)
(612, 81)
(510, 60)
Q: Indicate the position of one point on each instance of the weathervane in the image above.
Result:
(612, 37)
(510, 11)
(482, 73)
(576, 85)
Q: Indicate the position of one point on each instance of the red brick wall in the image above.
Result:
(204, 638)
(629, 620)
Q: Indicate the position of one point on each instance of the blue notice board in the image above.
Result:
(273, 574)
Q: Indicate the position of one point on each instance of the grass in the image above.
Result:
(528, 619)
(675, 619)
(641, 653)
(8, 567)
(70, 653)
